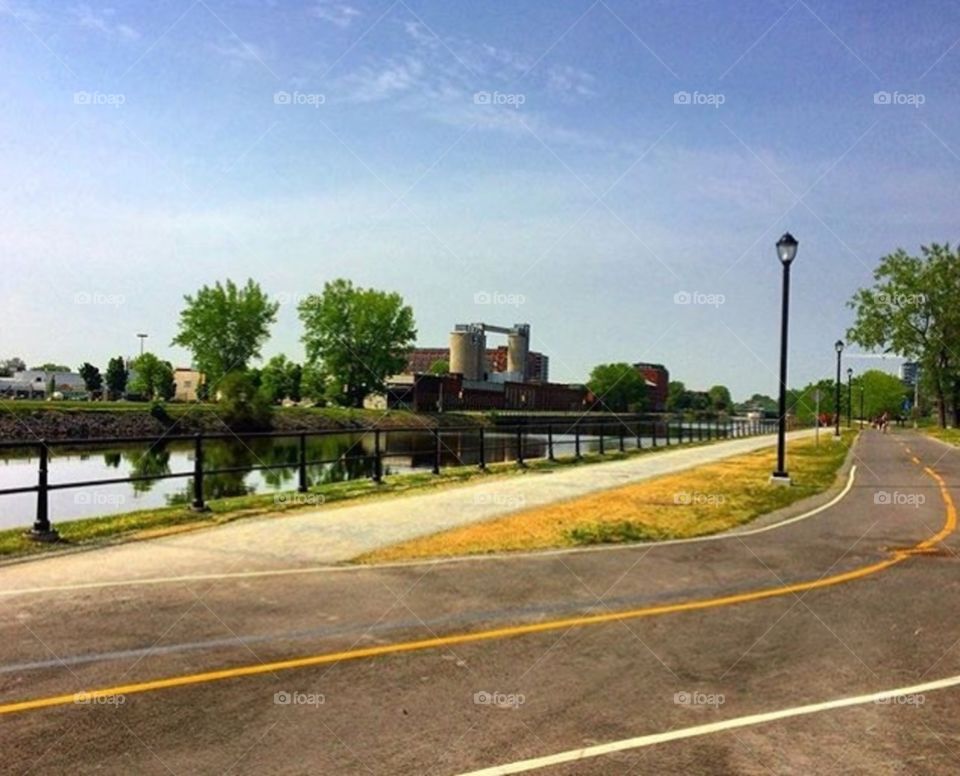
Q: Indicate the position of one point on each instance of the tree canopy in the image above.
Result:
(911, 310)
(152, 378)
(116, 377)
(356, 337)
(618, 387)
(225, 326)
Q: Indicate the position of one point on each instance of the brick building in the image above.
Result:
(658, 382)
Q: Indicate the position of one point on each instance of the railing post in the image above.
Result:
(602, 450)
(550, 455)
(302, 465)
(198, 505)
(700, 430)
(41, 531)
(377, 458)
(520, 446)
(436, 450)
(576, 440)
(639, 432)
(483, 449)
(653, 433)
(621, 437)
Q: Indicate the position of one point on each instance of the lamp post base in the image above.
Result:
(780, 478)
(47, 536)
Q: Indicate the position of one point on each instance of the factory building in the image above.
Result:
(658, 385)
(508, 376)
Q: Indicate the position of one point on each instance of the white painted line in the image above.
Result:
(574, 755)
(435, 562)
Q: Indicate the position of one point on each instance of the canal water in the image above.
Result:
(348, 456)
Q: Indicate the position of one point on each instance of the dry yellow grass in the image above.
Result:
(697, 502)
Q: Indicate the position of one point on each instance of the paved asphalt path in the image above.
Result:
(454, 667)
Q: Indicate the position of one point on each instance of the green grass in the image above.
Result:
(154, 522)
(949, 435)
(704, 500)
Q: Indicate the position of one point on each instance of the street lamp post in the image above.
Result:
(786, 252)
(838, 346)
(849, 397)
(142, 338)
(861, 403)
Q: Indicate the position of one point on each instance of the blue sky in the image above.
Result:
(504, 162)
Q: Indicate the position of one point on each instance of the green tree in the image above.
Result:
(280, 378)
(51, 367)
(92, 379)
(439, 367)
(116, 378)
(152, 378)
(11, 366)
(678, 397)
(243, 406)
(357, 337)
(912, 310)
(720, 399)
(618, 387)
(882, 393)
(313, 385)
(225, 327)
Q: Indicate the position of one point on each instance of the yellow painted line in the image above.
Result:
(915, 459)
(495, 633)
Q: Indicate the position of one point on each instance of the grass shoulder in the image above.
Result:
(697, 502)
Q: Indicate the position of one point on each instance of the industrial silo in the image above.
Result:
(518, 346)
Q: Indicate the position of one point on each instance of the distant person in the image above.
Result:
(884, 420)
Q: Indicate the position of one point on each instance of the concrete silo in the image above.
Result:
(467, 352)
(518, 347)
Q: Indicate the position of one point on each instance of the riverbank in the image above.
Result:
(33, 420)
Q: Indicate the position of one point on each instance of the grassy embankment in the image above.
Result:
(948, 435)
(701, 501)
(150, 523)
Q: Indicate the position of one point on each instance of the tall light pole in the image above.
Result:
(786, 252)
(849, 397)
(838, 346)
(861, 403)
(142, 338)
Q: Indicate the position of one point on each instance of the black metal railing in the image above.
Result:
(555, 437)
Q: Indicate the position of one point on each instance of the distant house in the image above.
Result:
(187, 382)
(35, 383)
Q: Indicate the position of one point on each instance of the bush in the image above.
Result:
(242, 405)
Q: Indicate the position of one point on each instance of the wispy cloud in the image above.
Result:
(103, 21)
(237, 50)
(338, 14)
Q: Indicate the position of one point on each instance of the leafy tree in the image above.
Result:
(153, 378)
(439, 367)
(225, 326)
(12, 365)
(116, 378)
(912, 310)
(720, 399)
(313, 385)
(882, 392)
(280, 378)
(92, 379)
(51, 367)
(356, 336)
(678, 398)
(243, 406)
(761, 402)
(618, 387)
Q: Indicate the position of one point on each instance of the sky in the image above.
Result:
(615, 174)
